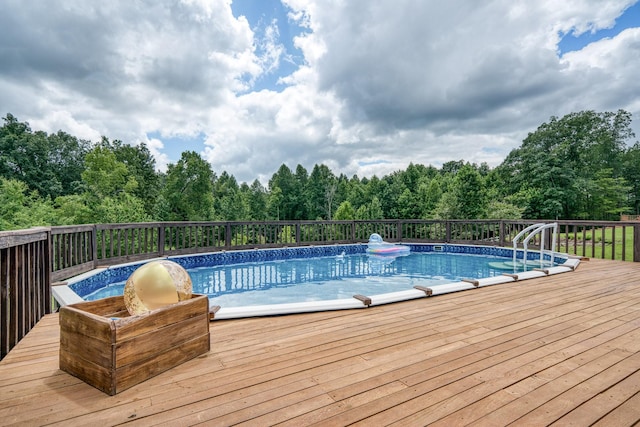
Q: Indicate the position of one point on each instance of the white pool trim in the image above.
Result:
(64, 295)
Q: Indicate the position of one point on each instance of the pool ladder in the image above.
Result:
(533, 230)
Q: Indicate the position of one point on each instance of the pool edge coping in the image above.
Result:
(65, 295)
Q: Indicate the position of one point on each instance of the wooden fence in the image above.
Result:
(33, 260)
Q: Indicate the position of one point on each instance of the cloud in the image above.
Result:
(404, 65)
(155, 147)
(272, 50)
(459, 77)
(125, 68)
(64, 119)
(382, 83)
(610, 65)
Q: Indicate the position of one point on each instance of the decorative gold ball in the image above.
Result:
(156, 284)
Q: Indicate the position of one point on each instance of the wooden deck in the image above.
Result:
(563, 349)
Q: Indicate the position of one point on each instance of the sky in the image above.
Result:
(365, 87)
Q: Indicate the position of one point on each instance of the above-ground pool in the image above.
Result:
(290, 280)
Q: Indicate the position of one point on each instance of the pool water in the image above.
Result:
(328, 278)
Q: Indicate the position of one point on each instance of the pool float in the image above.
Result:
(377, 246)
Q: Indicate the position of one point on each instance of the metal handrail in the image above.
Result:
(537, 228)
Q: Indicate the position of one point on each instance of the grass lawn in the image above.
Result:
(594, 240)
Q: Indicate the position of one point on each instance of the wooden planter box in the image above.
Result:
(103, 345)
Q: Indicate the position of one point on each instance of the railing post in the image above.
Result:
(94, 245)
(227, 235)
(501, 237)
(353, 231)
(399, 230)
(447, 227)
(636, 243)
(161, 239)
(298, 234)
(49, 253)
(48, 268)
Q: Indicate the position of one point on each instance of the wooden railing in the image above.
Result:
(24, 283)
(81, 248)
(32, 260)
(72, 250)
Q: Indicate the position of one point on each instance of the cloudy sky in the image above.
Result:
(363, 86)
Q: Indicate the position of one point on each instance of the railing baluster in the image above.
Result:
(110, 243)
(13, 295)
(636, 242)
(613, 243)
(624, 243)
(104, 244)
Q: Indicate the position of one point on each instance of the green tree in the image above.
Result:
(556, 163)
(371, 210)
(469, 193)
(321, 192)
(230, 203)
(189, 189)
(257, 200)
(362, 212)
(356, 192)
(345, 212)
(291, 203)
(447, 207)
(408, 206)
(104, 175)
(66, 160)
(141, 166)
(49, 164)
(329, 197)
(429, 194)
(465, 195)
(74, 209)
(497, 209)
(110, 192)
(610, 195)
(124, 207)
(452, 167)
(21, 208)
(375, 209)
(631, 172)
(391, 188)
(301, 204)
(274, 203)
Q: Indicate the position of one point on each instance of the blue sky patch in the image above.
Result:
(629, 19)
(260, 15)
(174, 146)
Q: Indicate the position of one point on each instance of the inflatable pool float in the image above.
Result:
(377, 246)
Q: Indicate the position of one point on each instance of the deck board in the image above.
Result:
(560, 349)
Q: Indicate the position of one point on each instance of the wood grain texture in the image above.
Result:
(113, 354)
(146, 345)
(562, 349)
(181, 311)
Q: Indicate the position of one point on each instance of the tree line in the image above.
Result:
(580, 166)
